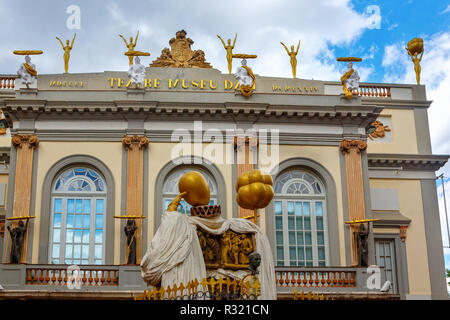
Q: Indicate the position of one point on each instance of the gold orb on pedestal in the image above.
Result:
(196, 188)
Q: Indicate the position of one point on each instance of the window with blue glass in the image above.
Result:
(170, 188)
(301, 237)
(78, 218)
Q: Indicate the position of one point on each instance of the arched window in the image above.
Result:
(301, 231)
(78, 217)
(170, 188)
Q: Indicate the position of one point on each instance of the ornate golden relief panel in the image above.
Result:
(180, 54)
(229, 250)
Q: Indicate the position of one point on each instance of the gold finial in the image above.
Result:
(293, 54)
(131, 52)
(67, 48)
(415, 48)
(229, 48)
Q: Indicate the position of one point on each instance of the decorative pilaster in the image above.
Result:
(245, 148)
(352, 150)
(25, 145)
(135, 145)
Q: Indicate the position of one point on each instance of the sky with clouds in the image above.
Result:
(376, 30)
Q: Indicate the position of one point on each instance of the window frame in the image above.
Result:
(77, 195)
(310, 198)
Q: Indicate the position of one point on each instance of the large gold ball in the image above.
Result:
(196, 188)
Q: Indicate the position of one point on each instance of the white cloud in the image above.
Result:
(261, 25)
(446, 10)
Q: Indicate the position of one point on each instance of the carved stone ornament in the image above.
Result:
(230, 250)
(347, 145)
(141, 141)
(19, 139)
(379, 130)
(181, 55)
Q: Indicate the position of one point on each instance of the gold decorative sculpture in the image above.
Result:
(229, 48)
(195, 187)
(67, 48)
(131, 53)
(230, 250)
(181, 55)
(293, 54)
(415, 48)
(377, 130)
(350, 79)
(254, 191)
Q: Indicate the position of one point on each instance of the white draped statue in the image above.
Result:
(243, 76)
(136, 73)
(352, 82)
(27, 72)
(175, 254)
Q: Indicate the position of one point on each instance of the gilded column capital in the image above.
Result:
(358, 145)
(241, 141)
(19, 139)
(141, 141)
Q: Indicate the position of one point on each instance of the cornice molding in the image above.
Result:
(407, 161)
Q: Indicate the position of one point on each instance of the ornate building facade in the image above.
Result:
(82, 149)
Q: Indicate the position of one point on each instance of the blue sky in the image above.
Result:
(375, 30)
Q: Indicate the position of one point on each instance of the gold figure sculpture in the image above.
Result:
(67, 48)
(415, 48)
(131, 53)
(229, 48)
(254, 191)
(293, 54)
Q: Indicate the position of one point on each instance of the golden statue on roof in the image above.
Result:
(229, 48)
(415, 48)
(131, 53)
(180, 54)
(67, 48)
(293, 55)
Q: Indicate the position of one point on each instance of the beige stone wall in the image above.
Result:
(110, 153)
(403, 131)
(410, 201)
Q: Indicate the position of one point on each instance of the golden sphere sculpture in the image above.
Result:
(196, 188)
(254, 190)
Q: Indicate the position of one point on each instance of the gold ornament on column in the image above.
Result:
(415, 48)
(254, 191)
